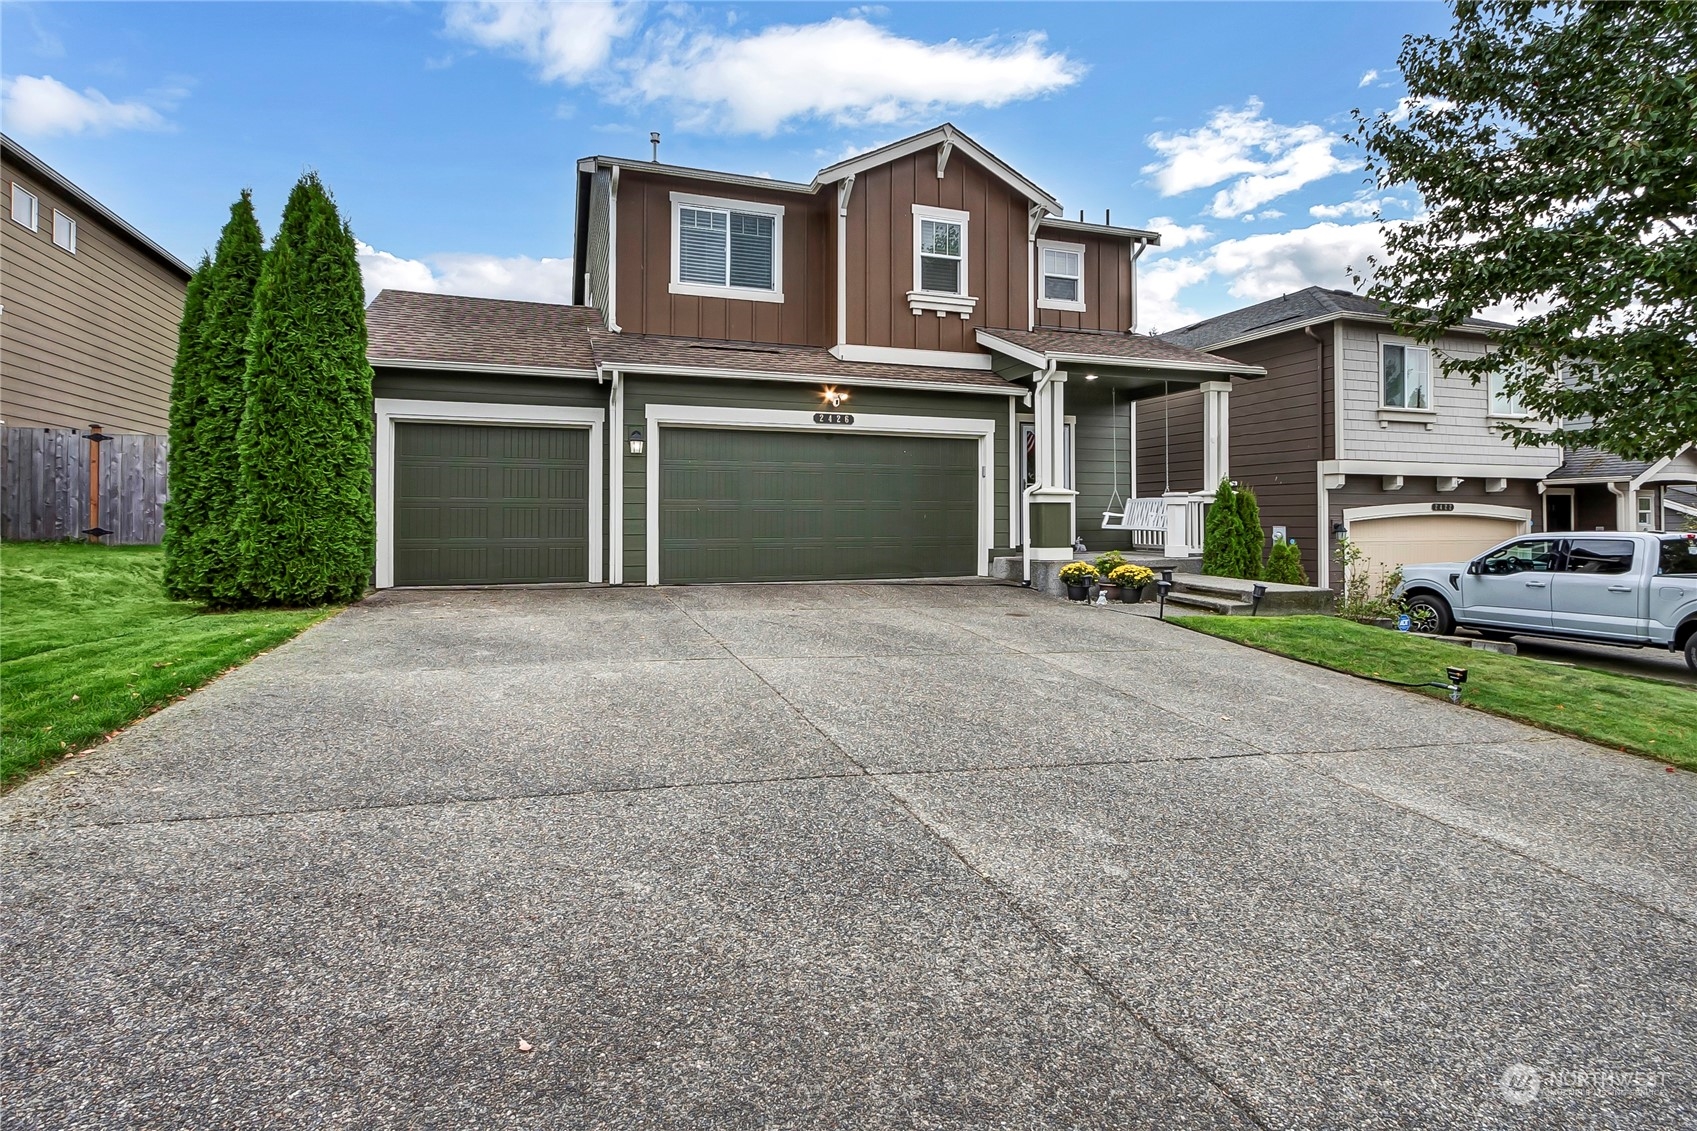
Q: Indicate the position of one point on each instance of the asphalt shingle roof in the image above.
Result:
(1298, 307)
(1113, 346)
(415, 326)
(1595, 463)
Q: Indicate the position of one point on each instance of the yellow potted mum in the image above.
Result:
(1077, 576)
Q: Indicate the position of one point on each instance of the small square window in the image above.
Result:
(24, 206)
(1407, 372)
(64, 231)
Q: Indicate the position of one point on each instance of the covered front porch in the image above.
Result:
(1080, 472)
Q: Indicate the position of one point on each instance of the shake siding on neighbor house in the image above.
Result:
(880, 257)
(1462, 433)
(1107, 284)
(88, 338)
(807, 316)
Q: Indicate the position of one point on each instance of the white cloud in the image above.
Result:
(42, 106)
(1361, 208)
(1367, 78)
(845, 70)
(1408, 107)
(482, 276)
(1267, 159)
(1270, 264)
(1158, 285)
(1175, 235)
(566, 42)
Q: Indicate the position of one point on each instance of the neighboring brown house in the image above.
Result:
(1356, 431)
(89, 308)
(906, 367)
(1596, 490)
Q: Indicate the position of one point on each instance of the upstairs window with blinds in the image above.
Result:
(1061, 267)
(940, 259)
(727, 249)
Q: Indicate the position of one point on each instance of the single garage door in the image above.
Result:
(1419, 538)
(479, 504)
(813, 506)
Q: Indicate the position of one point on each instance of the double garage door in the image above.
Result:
(1386, 543)
(494, 504)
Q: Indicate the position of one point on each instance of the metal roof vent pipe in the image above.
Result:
(654, 140)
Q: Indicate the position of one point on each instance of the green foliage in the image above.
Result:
(1364, 596)
(1284, 565)
(1250, 538)
(1078, 573)
(1222, 533)
(1555, 149)
(1107, 563)
(306, 521)
(184, 509)
(1132, 576)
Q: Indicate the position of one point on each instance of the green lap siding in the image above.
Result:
(794, 506)
(486, 504)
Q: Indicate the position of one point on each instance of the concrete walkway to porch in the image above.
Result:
(852, 855)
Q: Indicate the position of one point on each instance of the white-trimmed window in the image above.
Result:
(1503, 402)
(1061, 275)
(26, 210)
(1405, 376)
(939, 250)
(727, 248)
(65, 231)
(1647, 509)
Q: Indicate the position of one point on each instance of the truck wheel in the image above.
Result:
(1430, 615)
(1691, 652)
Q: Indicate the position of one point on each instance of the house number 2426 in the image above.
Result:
(832, 418)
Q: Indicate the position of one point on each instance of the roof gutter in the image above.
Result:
(639, 368)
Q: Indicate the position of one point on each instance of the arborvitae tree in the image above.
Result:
(1220, 533)
(229, 310)
(1251, 538)
(1284, 565)
(183, 505)
(306, 520)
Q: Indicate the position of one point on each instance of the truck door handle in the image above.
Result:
(1536, 584)
(1620, 589)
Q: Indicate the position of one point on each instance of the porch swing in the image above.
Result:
(1124, 517)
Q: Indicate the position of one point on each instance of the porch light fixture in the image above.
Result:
(833, 396)
(1090, 376)
(636, 442)
(1255, 595)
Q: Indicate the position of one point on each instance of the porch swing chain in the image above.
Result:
(1114, 414)
(1166, 438)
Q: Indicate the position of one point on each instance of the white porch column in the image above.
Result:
(1051, 513)
(1057, 393)
(1216, 433)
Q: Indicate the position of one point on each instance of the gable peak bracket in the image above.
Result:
(943, 153)
(1037, 214)
(845, 189)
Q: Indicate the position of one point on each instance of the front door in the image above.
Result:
(1512, 586)
(1558, 511)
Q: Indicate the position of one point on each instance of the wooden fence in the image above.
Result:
(44, 485)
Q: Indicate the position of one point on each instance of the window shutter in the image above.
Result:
(702, 239)
(751, 250)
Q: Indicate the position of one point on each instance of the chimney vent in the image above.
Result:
(654, 140)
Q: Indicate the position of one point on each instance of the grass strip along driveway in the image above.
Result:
(1639, 715)
(89, 643)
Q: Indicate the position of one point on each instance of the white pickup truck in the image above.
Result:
(1639, 590)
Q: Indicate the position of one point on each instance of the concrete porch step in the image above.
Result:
(1234, 596)
(1219, 606)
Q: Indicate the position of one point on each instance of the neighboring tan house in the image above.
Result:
(1594, 490)
(89, 308)
(906, 367)
(1384, 447)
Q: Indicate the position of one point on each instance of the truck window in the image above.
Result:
(1599, 555)
(1679, 555)
(1535, 556)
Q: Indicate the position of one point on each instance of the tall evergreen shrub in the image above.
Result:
(1251, 539)
(229, 312)
(1221, 533)
(306, 522)
(1284, 565)
(183, 505)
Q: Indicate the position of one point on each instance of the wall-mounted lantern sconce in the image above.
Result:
(1340, 531)
(636, 442)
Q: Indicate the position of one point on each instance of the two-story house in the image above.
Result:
(905, 367)
(1358, 432)
(89, 308)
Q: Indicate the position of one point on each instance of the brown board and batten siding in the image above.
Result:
(90, 337)
(881, 250)
(1107, 284)
(643, 245)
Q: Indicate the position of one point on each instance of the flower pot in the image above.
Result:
(1078, 592)
(1113, 592)
(1132, 595)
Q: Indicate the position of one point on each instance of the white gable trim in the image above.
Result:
(942, 135)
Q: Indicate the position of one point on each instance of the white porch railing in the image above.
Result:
(1170, 524)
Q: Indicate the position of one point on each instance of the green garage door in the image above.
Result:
(479, 504)
(805, 506)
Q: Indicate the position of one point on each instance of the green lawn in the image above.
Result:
(88, 643)
(1644, 716)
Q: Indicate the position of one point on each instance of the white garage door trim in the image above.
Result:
(392, 411)
(796, 420)
(1411, 510)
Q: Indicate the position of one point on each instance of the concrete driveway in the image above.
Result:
(855, 855)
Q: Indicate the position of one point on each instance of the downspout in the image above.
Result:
(615, 501)
(1040, 417)
(1137, 249)
(1322, 517)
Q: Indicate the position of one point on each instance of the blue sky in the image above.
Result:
(449, 132)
